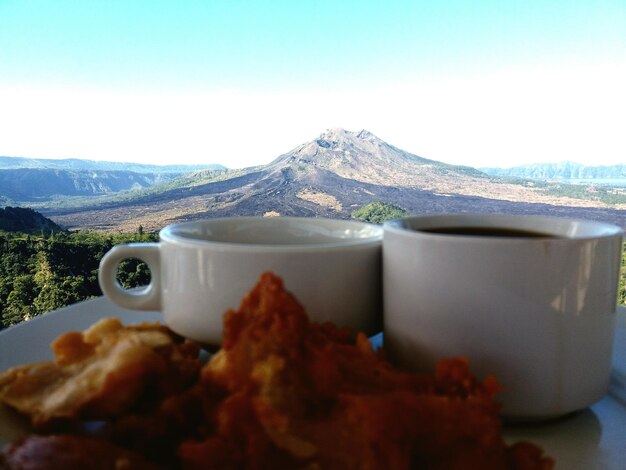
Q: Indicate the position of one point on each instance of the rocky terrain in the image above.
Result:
(331, 176)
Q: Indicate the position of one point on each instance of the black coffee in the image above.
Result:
(488, 232)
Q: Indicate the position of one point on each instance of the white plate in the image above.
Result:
(592, 439)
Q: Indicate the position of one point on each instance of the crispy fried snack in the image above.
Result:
(102, 372)
(283, 392)
(303, 395)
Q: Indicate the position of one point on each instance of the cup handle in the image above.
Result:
(145, 298)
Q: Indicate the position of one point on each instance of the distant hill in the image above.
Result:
(18, 219)
(83, 164)
(562, 171)
(28, 180)
(332, 176)
(24, 185)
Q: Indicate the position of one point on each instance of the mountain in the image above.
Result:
(18, 219)
(25, 185)
(364, 157)
(81, 164)
(333, 175)
(563, 171)
(24, 181)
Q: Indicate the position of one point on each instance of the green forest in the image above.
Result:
(45, 268)
(39, 273)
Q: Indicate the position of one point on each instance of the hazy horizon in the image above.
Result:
(486, 84)
(208, 163)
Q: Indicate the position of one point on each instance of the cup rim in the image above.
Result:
(371, 234)
(563, 228)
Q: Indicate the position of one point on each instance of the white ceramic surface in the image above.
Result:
(591, 439)
(539, 313)
(202, 269)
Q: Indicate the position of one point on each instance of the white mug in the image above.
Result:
(201, 269)
(538, 312)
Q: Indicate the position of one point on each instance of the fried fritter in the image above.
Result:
(305, 395)
(102, 372)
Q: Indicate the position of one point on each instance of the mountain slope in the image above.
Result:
(31, 184)
(18, 219)
(364, 157)
(561, 170)
(37, 181)
(330, 176)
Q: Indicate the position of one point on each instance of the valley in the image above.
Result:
(332, 175)
(48, 262)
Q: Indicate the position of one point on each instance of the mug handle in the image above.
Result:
(145, 298)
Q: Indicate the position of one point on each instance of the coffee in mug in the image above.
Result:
(529, 299)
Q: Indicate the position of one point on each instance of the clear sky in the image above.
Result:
(480, 83)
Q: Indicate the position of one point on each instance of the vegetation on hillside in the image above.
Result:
(46, 272)
(378, 212)
(20, 219)
(606, 194)
(46, 269)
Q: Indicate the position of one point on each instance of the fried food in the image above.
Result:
(283, 392)
(305, 395)
(102, 372)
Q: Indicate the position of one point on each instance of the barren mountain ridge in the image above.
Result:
(331, 176)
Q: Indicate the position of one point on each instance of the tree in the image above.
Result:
(19, 303)
(133, 273)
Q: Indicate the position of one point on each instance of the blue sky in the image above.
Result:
(483, 83)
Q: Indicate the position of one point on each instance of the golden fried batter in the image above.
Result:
(101, 372)
(303, 395)
(283, 392)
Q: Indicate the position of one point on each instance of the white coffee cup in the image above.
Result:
(201, 269)
(536, 312)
